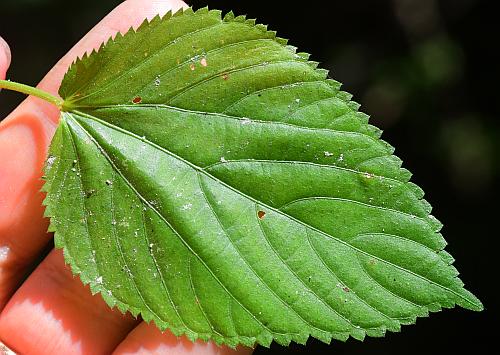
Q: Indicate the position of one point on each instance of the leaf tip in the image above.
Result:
(229, 16)
(469, 301)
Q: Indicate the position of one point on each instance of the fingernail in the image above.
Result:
(4, 350)
(4, 47)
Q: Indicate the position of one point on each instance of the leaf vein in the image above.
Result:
(312, 198)
(268, 89)
(145, 61)
(365, 271)
(209, 203)
(160, 273)
(295, 274)
(343, 283)
(127, 270)
(236, 118)
(315, 102)
(200, 306)
(174, 230)
(211, 51)
(218, 75)
(197, 168)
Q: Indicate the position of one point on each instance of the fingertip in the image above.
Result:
(53, 311)
(161, 7)
(5, 58)
(146, 339)
(130, 13)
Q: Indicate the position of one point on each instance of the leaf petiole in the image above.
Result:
(29, 90)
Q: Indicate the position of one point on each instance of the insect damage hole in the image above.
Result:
(261, 214)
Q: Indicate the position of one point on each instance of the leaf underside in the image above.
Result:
(210, 178)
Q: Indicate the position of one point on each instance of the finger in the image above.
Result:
(4, 350)
(4, 58)
(24, 138)
(146, 339)
(52, 313)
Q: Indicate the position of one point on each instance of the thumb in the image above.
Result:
(4, 58)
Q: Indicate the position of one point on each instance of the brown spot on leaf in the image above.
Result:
(191, 66)
(346, 289)
(203, 62)
(225, 76)
(261, 214)
(137, 100)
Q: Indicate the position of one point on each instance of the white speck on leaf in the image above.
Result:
(223, 160)
(327, 154)
(50, 161)
(341, 157)
(99, 280)
(187, 206)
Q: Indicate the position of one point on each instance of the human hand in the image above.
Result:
(51, 312)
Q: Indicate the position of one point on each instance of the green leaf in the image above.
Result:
(213, 180)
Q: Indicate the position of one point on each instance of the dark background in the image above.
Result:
(428, 74)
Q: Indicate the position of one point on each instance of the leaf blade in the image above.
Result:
(232, 166)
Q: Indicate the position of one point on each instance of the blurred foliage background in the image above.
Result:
(427, 72)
